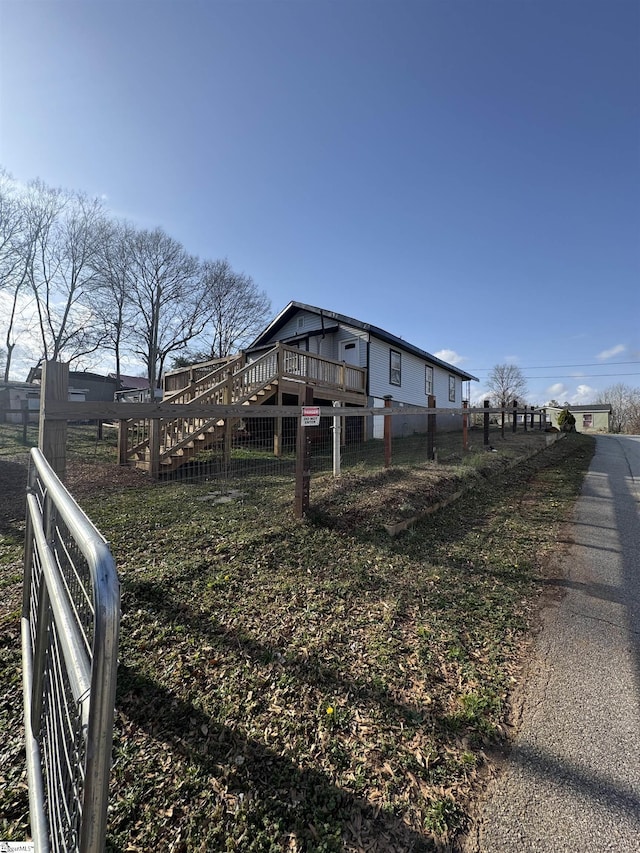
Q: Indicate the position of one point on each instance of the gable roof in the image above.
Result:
(293, 307)
(594, 407)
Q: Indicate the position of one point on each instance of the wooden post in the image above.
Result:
(431, 429)
(337, 441)
(514, 425)
(532, 416)
(123, 434)
(154, 448)
(52, 435)
(387, 432)
(277, 433)
(465, 427)
(502, 420)
(525, 417)
(228, 399)
(303, 461)
(24, 405)
(486, 424)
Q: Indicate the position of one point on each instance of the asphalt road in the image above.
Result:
(572, 782)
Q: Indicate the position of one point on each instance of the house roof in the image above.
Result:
(293, 307)
(594, 407)
(131, 383)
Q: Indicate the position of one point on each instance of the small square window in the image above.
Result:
(428, 380)
(395, 367)
(452, 389)
(587, 421)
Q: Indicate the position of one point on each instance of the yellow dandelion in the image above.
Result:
(329, 710)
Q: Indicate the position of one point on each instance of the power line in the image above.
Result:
(554, 366)
(580, 376)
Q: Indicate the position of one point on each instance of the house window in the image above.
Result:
(395, 367)
(452, 389)
(300, 322)
(587, 421)
(428, 380)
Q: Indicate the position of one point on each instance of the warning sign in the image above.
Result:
(310, 416)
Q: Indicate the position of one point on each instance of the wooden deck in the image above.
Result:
(278, 377)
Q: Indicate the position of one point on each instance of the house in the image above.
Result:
(393, 367)
(593, 418)
(341, 359)
(93, 386)
(16, 397)
(133, 389)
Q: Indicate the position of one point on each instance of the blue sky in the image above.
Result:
(463, 173)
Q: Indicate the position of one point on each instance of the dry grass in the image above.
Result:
(311, 685)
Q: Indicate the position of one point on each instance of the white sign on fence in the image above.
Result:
(310, 416)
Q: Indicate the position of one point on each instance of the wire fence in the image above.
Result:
(234, 449)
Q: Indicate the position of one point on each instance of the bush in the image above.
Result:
(566, 421)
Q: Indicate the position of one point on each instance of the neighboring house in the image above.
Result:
(593, 418)
(95, 386)
(133, 389)
(393, 367)
(17, 396)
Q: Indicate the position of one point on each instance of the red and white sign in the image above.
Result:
(310, 416)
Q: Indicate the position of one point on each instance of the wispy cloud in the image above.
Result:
(557, 391)
(450, 356)
(583, 394)
(611, 353)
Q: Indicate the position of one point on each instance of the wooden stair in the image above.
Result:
(232, 382)
(183, 439)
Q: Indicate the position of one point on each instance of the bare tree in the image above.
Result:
(236, 306)
(11, 228)
(112, 301)
(15, 253)
(625, 407)
(166, 290)
(64, 228)
(506, 383)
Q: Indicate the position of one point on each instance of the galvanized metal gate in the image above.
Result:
(70, 625)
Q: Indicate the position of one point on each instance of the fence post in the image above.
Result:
(154, 448)
(228, 399)
(431, 429)
(465, 427)
(514, 425)
(303, 461)
(532, 416)
(123, 434)
(52, 435)
(337, 441)
(486, 423)
(502, 418)
(387, 432)
(24, 405)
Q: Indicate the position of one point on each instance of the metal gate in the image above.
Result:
(70, 624)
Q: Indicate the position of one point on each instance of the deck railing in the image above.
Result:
(70, 625)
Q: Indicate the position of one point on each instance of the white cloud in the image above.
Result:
(450, 356)
(610, 353)
(583, 394)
